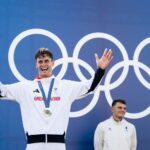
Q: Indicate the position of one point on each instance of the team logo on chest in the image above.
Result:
(36, 91)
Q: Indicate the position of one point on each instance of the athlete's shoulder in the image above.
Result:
(104, 123)
(128, 123)
(26, 83)
(67, 81)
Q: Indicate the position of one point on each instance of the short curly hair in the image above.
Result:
(42, 52)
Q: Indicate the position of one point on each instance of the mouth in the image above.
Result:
(44, 69)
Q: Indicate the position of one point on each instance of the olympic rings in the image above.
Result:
(108, 37)
(76, 62)
(25, 34)
(108, 79)
(135, 57)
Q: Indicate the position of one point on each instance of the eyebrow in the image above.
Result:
(121, 107)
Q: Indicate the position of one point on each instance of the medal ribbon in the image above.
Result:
(46, 100)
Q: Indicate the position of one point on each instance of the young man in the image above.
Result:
(116, 133)
(45, 102)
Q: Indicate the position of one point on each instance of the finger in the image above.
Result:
(96, 58)
(105, 52)
(111, 58)
(109, 53)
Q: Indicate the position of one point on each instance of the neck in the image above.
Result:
(117, 118)
(41, 77)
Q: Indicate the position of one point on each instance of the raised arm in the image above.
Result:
(89, 87)
(10, 91)
(102, 64)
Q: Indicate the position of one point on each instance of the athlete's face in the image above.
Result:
(119, 111)
(44, 65)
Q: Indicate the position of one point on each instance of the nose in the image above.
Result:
(43, 64)
(123, 110)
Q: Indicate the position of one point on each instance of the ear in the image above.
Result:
(36, 64)
(53, 63)
(112, 110)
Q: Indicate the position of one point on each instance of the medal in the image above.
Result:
(47, 112)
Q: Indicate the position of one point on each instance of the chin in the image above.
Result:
(122, 116)
(43, 75)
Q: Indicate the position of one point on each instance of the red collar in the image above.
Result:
(38, 77)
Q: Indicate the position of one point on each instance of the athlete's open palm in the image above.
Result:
(105, 60)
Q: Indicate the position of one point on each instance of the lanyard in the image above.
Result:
(46, 100)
